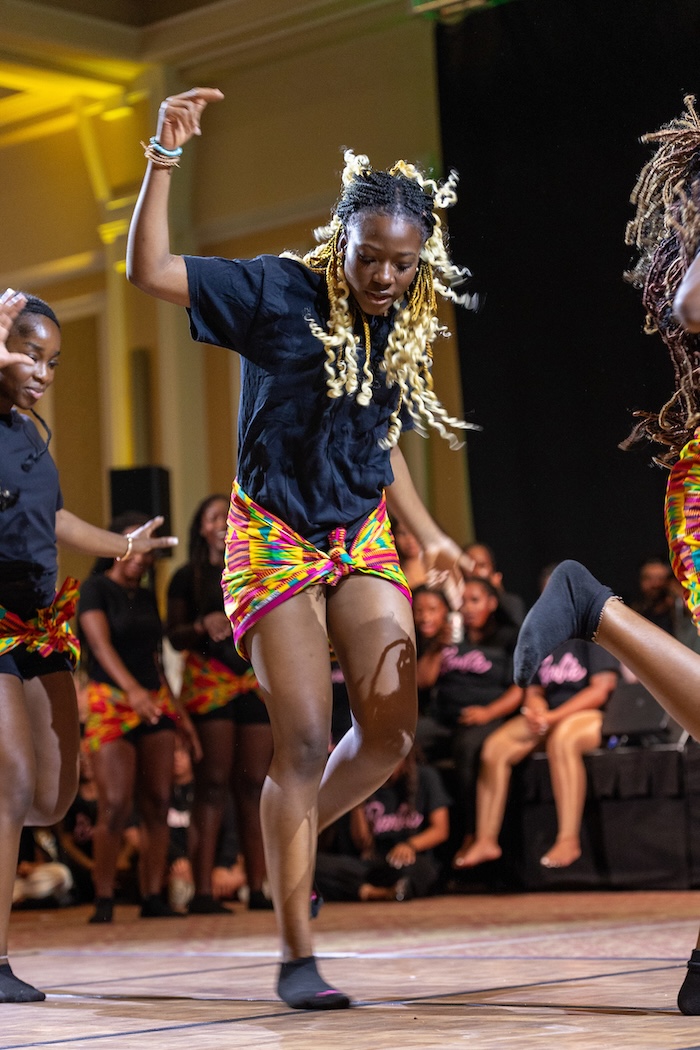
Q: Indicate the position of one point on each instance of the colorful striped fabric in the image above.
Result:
(267, 561)
(110, 717)
(682, 519)
(207, 684)
(47, 632)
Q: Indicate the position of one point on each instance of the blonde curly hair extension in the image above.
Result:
(407, 363)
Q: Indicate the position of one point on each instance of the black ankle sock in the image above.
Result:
(12, 990)
(689, 994)
(104, 907)
(206, 904)
(302, 987)
(154, 907)
(257, 901)
(569, 607)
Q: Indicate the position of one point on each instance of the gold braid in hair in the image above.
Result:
(407, 361)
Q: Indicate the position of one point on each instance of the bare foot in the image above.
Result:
(563, 853)
(368, 892)
(478, 853)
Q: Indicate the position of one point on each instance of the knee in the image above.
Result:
(306, 751)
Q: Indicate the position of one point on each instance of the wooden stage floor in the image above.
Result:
(570, 970)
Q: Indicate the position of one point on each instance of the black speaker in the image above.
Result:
(143, 489)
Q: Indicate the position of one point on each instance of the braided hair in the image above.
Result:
(35, 305)
(666, 233)
(402, 191)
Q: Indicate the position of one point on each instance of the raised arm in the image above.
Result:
(150, 264)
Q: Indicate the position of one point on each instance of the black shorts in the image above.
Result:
(25, 665)
(247, 709)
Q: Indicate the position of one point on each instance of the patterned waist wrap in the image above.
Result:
(208, 684)
(110, 717)
(682, 519)
(267, 562)
(47, 632)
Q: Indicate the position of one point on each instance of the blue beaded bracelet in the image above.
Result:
(177, 152)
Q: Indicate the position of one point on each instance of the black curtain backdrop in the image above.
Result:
(543, 103)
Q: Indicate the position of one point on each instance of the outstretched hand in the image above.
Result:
(179, 115)
(11, 305)
(143, 541)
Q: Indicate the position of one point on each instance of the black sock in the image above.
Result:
(302, 987)
(12, 990)
(570, 606)
(154, 907)
(206, 904)
(315, 904)
(689, 994)
(104, 907)
(257, 901)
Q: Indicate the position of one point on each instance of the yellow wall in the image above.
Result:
(263, 174)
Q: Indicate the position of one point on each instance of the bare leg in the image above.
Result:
(502, 750)
(156, 754)
(114, 765)
(567, 742)
(253, 754)
(39, 742)
(371, 627)
(211, 777)
(289, 652)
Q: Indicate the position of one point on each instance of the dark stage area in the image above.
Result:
(543, 103)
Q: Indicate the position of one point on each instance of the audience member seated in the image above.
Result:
(76, 829)
(42, 879)
(392, 838)
(473, 690)
(431, 615)
(511, 607)
(410, 554)
(563, 714)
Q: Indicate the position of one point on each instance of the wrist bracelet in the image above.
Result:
(129, 544)
(177, 151)
(160, 159)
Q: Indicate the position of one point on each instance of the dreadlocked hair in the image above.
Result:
(666, 232)
(407, 363)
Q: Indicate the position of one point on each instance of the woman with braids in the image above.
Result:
(666, 230)
(335, 350)
(219, 691)
(39, 735)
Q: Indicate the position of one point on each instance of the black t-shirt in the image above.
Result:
(312, 460)
(134, 626)
(28, 560)
(392, 820)
(209, 599)
(569, 670)
(471, 676)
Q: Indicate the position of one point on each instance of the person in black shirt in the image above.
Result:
(131, 721)
(336, 350)
(38, 707)
(219, 691)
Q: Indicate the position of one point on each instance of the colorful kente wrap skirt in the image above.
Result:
(682, 518)
(47, 632)
(208, 684)
(267, 562)
(110, 717)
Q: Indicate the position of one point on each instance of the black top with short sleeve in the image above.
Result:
(209, 599)
(391, 819)
(312, 460)
(134, 626)
(471, 676)
(28, 557)
(569, 669)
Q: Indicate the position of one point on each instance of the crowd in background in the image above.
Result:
(166, 813)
